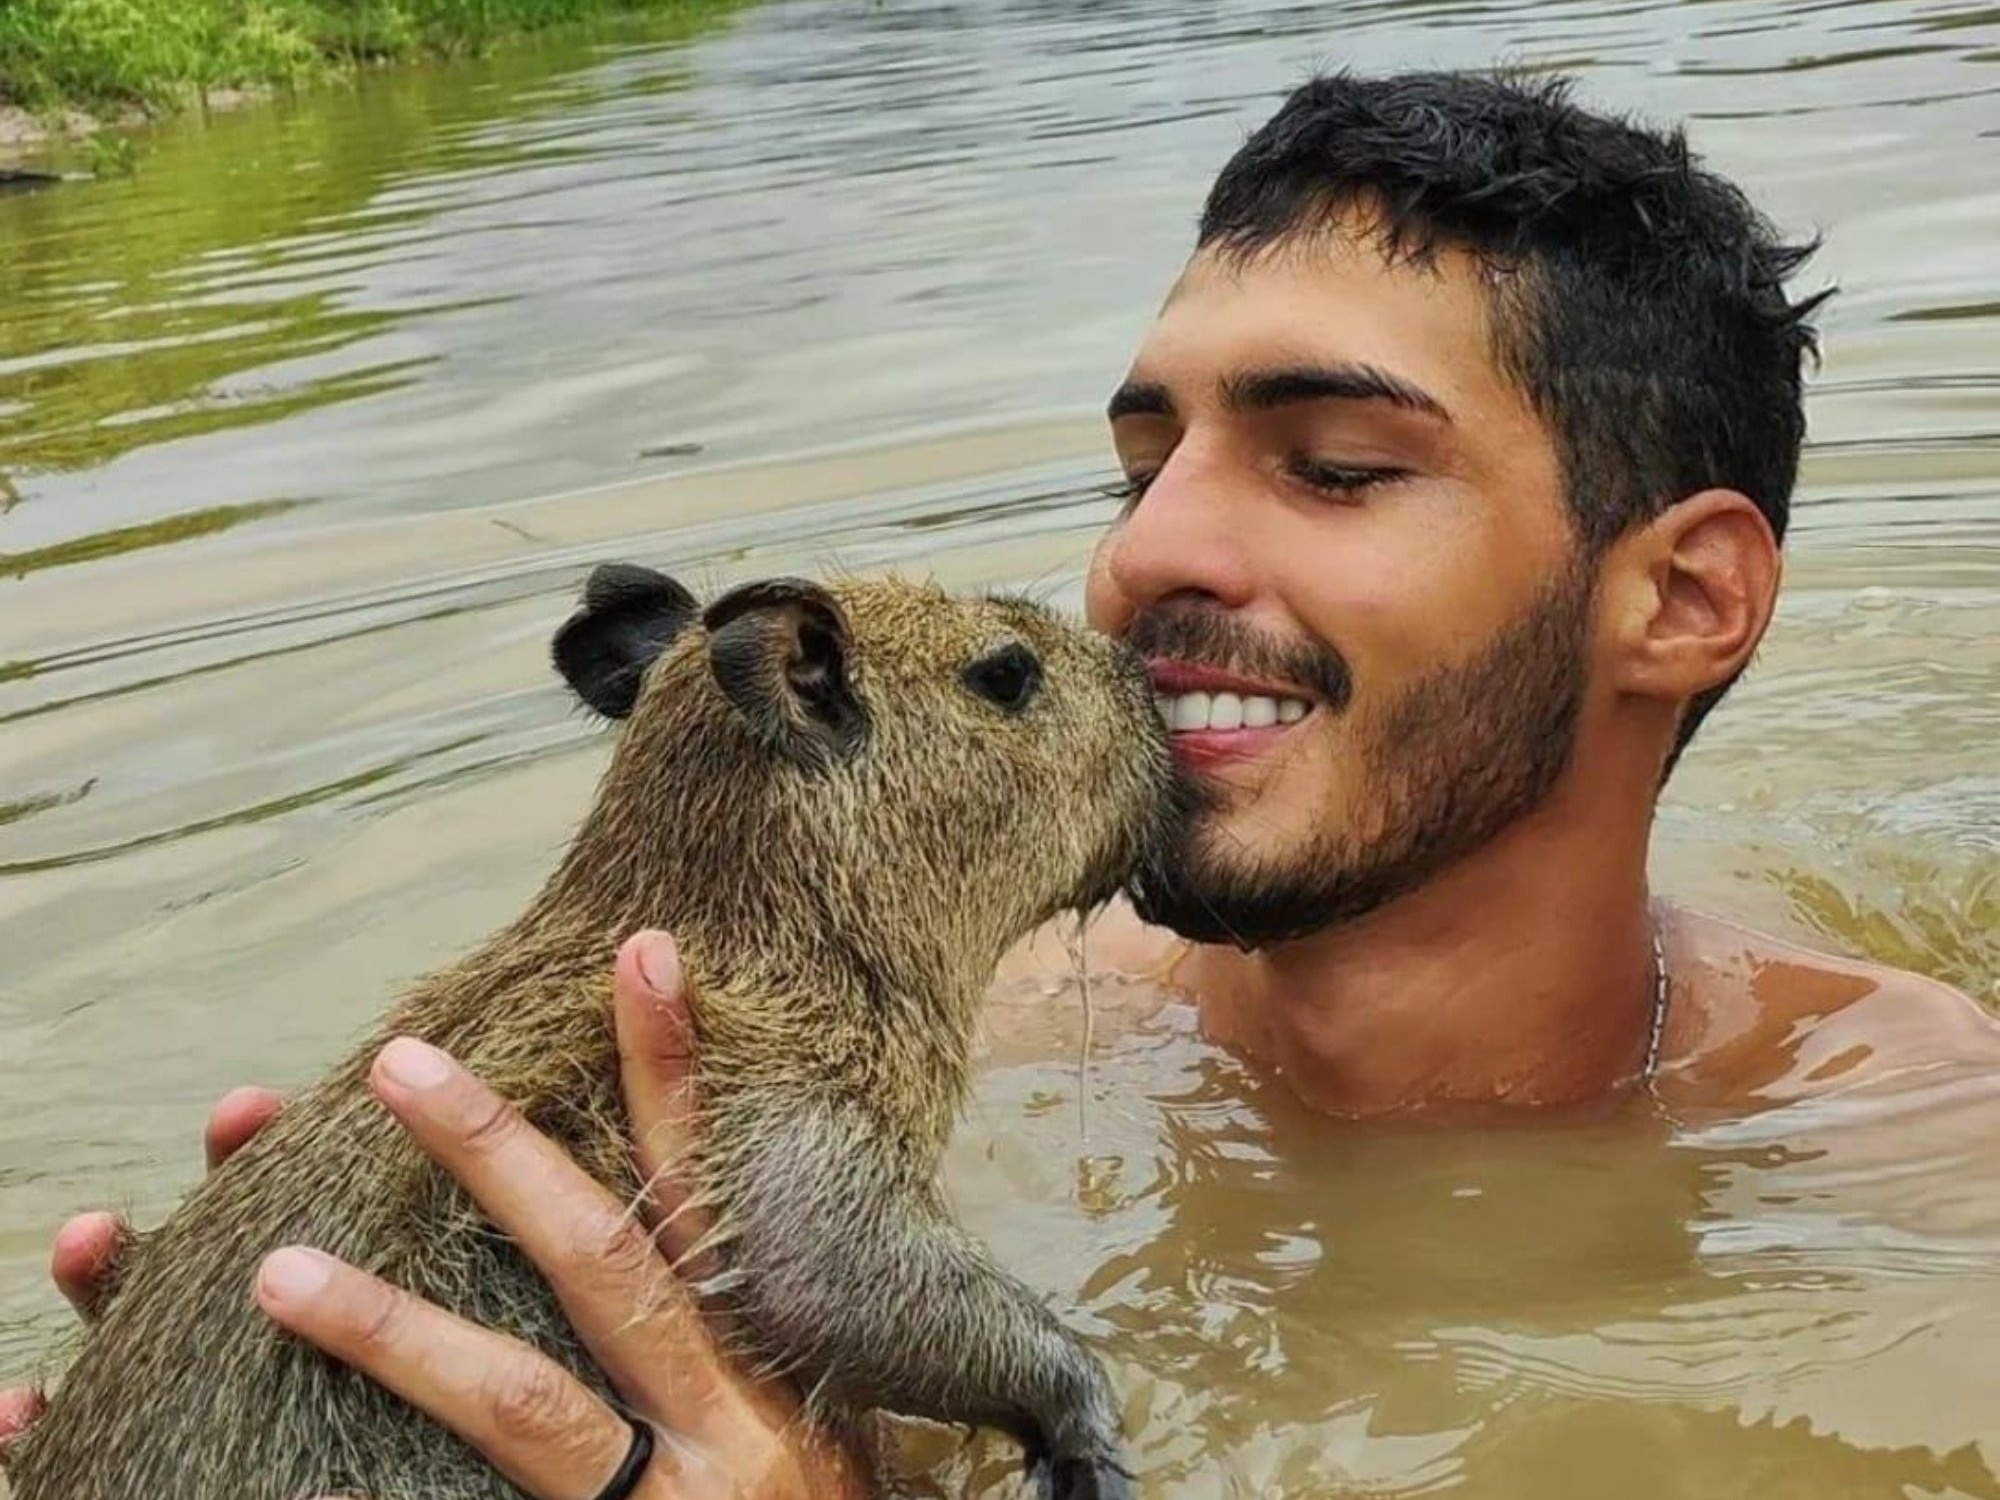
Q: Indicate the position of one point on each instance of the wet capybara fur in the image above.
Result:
(847, 802)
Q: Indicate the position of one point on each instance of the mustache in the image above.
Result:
(1215, 639)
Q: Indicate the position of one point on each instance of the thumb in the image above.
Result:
(18, 1411)
(656, 1068)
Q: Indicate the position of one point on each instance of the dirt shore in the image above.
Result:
(24, 133)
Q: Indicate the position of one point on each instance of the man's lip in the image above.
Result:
(1176, 677)
(1208, 749)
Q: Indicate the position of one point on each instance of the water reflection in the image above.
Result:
(162, 533)
(234, 281)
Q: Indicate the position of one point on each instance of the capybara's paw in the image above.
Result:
(1081, 1478)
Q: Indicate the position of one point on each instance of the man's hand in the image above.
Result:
(722, 1435)
(87, 1247)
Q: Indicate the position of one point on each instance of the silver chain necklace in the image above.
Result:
(1658, 1026)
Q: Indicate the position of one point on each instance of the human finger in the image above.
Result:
(84, 1257)
(18, 1411)
(238, 1116)
(615, 1287)
(534, 1422)
(656, 1073)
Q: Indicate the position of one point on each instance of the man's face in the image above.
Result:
(1349, 563)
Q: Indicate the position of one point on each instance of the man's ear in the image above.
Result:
(630, 615)
(1691, 594)
(781, 652)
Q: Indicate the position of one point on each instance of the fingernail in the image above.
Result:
(660, 963)
(295, 1275)
(415, 1064)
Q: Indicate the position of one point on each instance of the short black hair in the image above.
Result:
(1639, 299)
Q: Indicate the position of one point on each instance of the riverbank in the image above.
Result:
(69, 68)
(27, 132)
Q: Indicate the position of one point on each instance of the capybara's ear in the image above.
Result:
(781, 652)
(629, 616)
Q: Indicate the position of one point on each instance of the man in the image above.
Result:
(1456, 467)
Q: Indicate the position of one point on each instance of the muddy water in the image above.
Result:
(309, 428)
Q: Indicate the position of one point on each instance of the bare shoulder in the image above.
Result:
(1754, 1015)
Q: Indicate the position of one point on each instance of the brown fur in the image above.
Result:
(841, 895)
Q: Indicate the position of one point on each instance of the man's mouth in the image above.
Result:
(1217, 716)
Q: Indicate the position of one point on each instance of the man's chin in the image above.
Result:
(1245, 910)
(1191, 878)
(1191, 889)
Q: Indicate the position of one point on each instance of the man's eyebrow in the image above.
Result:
(1260, 390)
(1139, 398)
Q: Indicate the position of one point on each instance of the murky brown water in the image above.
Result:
(310, 428)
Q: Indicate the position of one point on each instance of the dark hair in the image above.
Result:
(1638, 299)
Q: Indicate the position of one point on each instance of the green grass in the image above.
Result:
(163, 54)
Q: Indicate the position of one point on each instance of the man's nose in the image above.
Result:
(1188, 538)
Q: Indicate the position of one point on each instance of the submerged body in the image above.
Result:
(882, 868)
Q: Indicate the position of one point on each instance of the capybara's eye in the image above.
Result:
(1008, 677)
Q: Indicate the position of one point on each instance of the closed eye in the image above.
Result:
(1127, 491)
(1343, 480)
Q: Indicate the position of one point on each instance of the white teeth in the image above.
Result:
(1191, 711)
(1187, 712)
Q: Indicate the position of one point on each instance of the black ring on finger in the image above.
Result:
(621, 1485)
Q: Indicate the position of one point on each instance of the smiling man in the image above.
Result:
(1457, 463)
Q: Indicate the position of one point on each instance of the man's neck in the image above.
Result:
(1523, 976)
